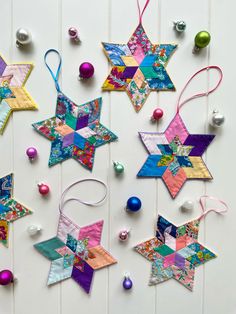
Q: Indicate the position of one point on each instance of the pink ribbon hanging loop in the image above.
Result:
(216, 210)
(141, 12)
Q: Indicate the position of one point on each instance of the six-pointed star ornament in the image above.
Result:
(175, 155)
(10, 209)
(75, 252)
(75, 131)
(138, 67)
(13, 95)
(175, 252)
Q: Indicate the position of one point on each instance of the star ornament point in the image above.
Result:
(174, 252)
(138, 67)
(13, 95)
(75, 131)
(175, 155)
(76, 252)
(10, 209)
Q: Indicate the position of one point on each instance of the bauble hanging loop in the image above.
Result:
(6, 277)
(202, 40)
(216, 119)
(180, 26)
(74, 34)
(23, 37)
(133, 204)
(86, 70)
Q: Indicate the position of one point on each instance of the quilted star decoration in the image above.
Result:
(138, 67)
(75, 253)
(13, 95)
(10, 209)
(175, 155)
(75, 131)
(175, 252)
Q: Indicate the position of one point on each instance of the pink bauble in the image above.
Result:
(43, 189)
(6, 277)
(123, 235)
(73, 33)
(31, 152)
(157, 114)
(86, 70)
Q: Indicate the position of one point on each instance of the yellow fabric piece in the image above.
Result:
(199, 169)
(129, 61)
(23, 100)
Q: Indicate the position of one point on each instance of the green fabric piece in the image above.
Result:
(163, 250)
(149, 72)
(71, 121)
(47, 248)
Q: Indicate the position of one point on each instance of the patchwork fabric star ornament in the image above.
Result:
(176, 155)
(175, 251)
(75, 131)
(10, 209)
(76, 252)
(139, 66)
(13, 95)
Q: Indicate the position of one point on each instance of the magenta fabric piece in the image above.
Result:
(82, 122)
(200, 143)
(129, 72)
(68, 140)
(2, 65)
(83, 278)
(93, 233)
(176, 128)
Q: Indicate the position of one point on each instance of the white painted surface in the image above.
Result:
(114, 21)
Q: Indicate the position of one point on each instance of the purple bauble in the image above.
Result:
(73, 33)
(31, 152)
(86, 70)
(6, 277)
(127, 283)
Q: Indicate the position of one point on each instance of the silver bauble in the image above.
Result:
(23, 37)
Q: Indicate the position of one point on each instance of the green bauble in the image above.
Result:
(202, 39)
(119, 168)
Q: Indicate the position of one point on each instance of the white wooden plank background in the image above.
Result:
(114, 21)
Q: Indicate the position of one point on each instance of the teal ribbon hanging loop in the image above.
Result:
(54, 76)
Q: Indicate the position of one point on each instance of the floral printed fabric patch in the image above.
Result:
(175, 155)
(175, 252)
(138, 67)
(75, 131)
(10, 209)
(75, 253)
(13, 95)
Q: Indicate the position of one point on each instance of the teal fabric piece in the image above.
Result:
(47, 248)
(151, 168)
(5, 111)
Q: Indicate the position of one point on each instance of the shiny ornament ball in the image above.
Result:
(202, 39)
(127, 283)
(33, 230)
(180, 26)
(157, 114)
(23, 37)
(73, 33)
(217, 119)
(43, 188)
(6, 277)
(123, 235)
(31, 152)
(187, 206)
(118, 167)
(86, 70)
(133, 204)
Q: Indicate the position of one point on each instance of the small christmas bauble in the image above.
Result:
(123, 235)
(180, 26)
(127, 283)
(6, 277)
(86, 70)
(202, 39)
(217, 119)
(43, 188)
(33, 230)
(133, 204)
(118, 167)
(31, 152)
(73, 33)
(187, 206)
(23, 37)
(157, 114)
